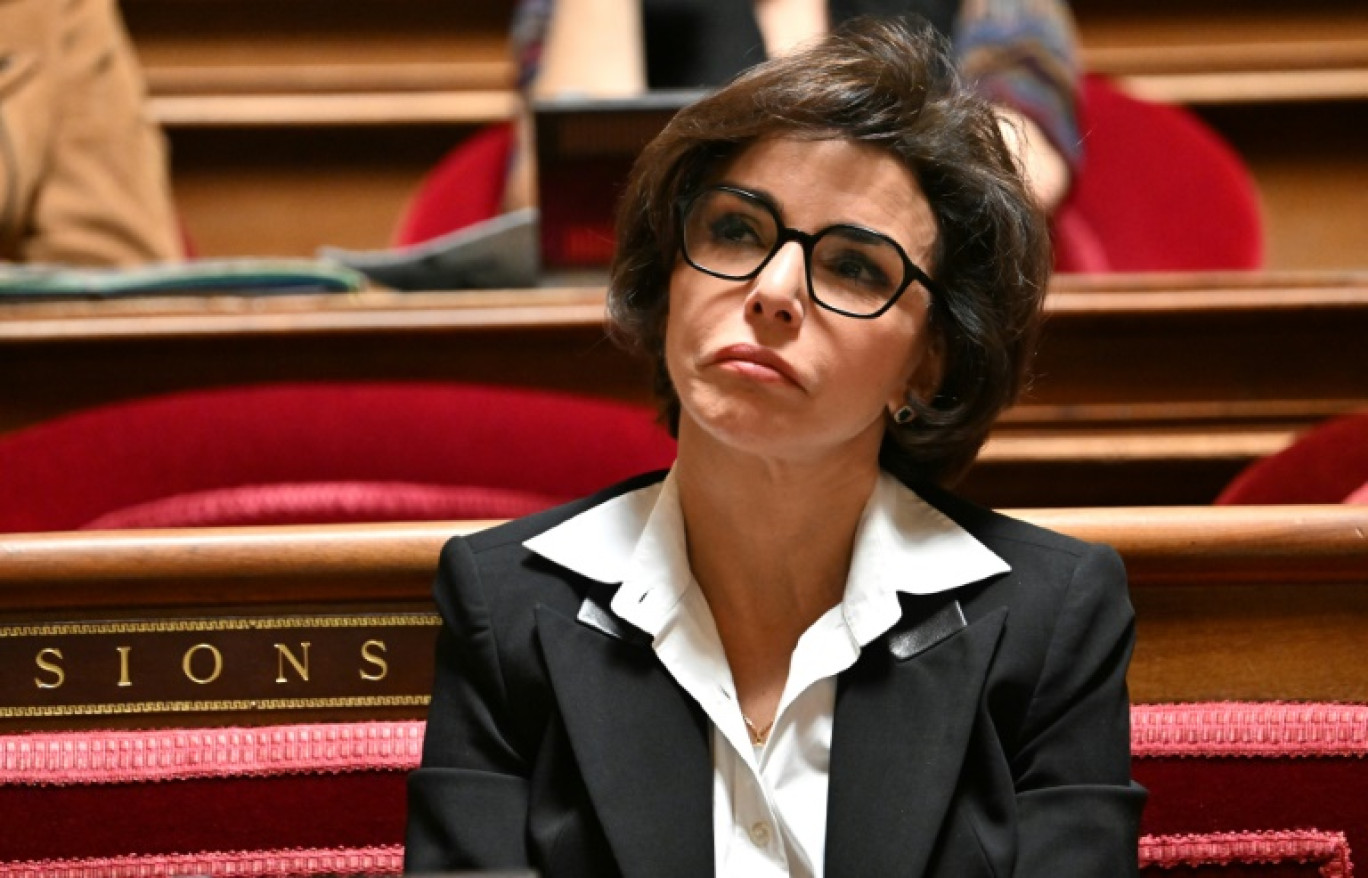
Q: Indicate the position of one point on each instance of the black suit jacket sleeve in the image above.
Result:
(1077, 809)
(468, 803)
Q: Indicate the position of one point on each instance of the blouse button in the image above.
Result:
(760, 833)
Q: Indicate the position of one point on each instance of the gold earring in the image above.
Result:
(904, 415)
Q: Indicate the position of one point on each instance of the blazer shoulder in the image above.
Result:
(1053, 575)
(994, 529)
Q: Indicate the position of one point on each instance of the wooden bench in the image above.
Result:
(1149, 389)
(280, 624)
(231, 643)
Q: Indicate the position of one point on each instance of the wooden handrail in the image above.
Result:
(1070, 298)
(1249, 87)
(322, 108)
(1161, 545)
(482, 89)
(290, 551)
(1212, 544)
(1255, 603)
(309, 110)
(201, 80)
(1266, 55)
(1143, 62)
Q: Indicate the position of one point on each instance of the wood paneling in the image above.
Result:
(287, 191)
(1312, 173)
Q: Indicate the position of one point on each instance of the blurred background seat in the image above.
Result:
(1327, 464)
(321, 452)
(1158, 191)
(465, 187)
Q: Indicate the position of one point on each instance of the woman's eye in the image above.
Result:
(733, 229)
(856, 267)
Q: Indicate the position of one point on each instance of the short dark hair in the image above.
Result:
(893, 86)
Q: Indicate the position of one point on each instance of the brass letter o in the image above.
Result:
(189, 659)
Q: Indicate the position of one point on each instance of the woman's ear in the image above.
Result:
(921, 387)
(924, 382)
(926, 379)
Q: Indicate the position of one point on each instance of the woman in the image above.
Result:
(793, 654)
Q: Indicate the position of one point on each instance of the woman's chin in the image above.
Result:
(734, 425)
(745, 433)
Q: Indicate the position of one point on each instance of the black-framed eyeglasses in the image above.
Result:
(732, 234)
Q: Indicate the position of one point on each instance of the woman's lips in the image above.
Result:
(756, 362)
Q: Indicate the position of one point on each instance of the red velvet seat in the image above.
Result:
(310, 453)
(465, 187)
(1324, 465)
(1157, 191)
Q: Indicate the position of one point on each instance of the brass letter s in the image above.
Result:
(59, 675)
(369, 651)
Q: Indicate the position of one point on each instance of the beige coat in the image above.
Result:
(83, 171)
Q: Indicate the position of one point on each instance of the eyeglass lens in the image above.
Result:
(730, 234)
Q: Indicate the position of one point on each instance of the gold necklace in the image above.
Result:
(758, 736)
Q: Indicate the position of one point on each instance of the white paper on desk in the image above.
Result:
(499, 253)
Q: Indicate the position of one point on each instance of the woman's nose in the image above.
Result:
(779, 292)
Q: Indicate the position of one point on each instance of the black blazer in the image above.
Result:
(986, 734)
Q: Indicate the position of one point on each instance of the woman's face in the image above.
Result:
(758, 365)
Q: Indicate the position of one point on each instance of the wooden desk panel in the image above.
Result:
(215, 34)
(250, 190)
(275, 624)
(1308, 162)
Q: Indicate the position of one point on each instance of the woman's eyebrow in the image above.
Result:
(763, 195)
(768, 198)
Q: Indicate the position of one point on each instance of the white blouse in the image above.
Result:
(769, 801)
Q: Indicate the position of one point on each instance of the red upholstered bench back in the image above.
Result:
(1261, 789)
(1235, 790)
(319, 452)
(268, 801)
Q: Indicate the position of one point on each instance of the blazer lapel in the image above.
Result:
(904, 714)
(640, 741)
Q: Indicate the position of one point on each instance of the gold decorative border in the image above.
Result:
(214, 706)
(175, 626)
